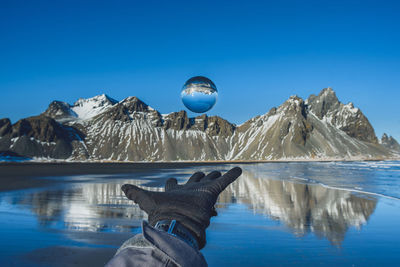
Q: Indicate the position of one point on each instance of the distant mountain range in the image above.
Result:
(101, 128)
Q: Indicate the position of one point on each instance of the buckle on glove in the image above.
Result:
(176, 229)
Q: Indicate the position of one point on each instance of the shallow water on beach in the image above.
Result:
(338, 213)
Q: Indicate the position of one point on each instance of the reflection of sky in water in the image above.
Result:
(272, 211)
(199, 102)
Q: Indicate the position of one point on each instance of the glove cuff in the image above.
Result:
(176, 229)
(195, 229)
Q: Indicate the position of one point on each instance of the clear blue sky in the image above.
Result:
(258, 53)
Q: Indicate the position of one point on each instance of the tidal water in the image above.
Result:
(275, 214)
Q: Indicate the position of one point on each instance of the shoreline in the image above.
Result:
(22, 175)
(39, 161)
(51, 168)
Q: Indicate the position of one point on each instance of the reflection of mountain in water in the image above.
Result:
(86, 207)
(303, 207)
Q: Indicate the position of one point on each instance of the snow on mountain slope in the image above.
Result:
(291, 131)
(101, 128)
(88, 108)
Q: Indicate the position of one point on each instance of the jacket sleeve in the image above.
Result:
(156, 248)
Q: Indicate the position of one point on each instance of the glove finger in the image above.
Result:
(133, 192)
(211, 176)
(214, 212)
(170, 184)
(229, 177)
(196, 177)
(139, 196)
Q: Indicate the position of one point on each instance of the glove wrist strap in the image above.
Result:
(176, 229)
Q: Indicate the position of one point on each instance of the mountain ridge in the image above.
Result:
(102, 128)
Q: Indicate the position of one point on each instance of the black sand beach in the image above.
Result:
(18, 175)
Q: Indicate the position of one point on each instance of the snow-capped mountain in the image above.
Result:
(101, 128)
(83, 109)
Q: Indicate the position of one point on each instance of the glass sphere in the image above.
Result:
(199, 94)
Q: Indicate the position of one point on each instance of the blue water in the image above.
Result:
(199, 102)
(275, 214)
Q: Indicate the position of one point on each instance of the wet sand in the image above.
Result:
(21, 175)
(18, 175)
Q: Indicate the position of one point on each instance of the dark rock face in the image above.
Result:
(245, 126)
(29, 147)
(177, 121)
(345, 117)
(118, 113)
(41, 128)
(5, 126)
(217, 126)
(359, 127)
(325, 102)
(390, 143)
(214, 125)
(133, 104)
(297, 125)
(130, 109)
(40, 136)
(5, 143)
(58, 109)
(62, 150)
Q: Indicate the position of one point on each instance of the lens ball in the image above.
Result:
(199, 94)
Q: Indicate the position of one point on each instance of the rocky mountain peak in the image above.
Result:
(328, 91)
(293, 106)
(214, 125)
(199, 123)
(99, 100)
(219, 126)
(41, 128)
(390, 143)
(102, 128)
(134, 104)
(325, 102)
(39, 136)
(177, 121)
(59, 110)
(326, 106)
(90, 107)
(5, 126)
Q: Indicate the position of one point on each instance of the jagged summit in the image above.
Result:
(59, 110)
(134, 104)
(100, 127)
(325, 102)
(90, 107)
(100, 100)
(326, 106)
(327, 91)
(390, 143)
(87, 108)
(82, 109)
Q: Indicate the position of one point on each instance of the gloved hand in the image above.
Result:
(191, 204)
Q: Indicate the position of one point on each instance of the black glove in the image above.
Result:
(172, 183)
(191, 204)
